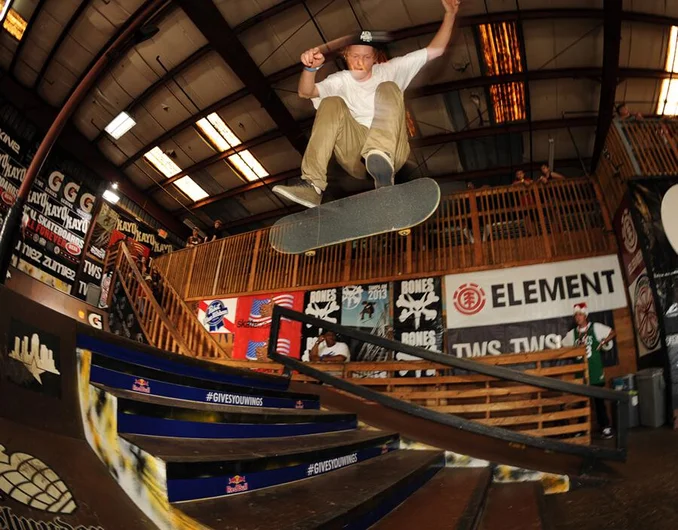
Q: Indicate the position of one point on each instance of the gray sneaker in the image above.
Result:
(379, 165)
(300, 192)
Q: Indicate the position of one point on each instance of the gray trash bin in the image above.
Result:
(652, 395)
(627, 384)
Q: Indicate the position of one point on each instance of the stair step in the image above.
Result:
(159, 416)
(200, 469)
(127, 376)
(354, 497)
(453, 499)
(515, 506)
(117, 348)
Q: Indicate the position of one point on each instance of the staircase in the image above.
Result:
(242, 451)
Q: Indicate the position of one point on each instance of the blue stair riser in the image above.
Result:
(158, 363)
(153, 387)
(137, 424)
(204, 488)
(396, 498)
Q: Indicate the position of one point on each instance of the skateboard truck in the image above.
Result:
(309, 253)
(405, 232)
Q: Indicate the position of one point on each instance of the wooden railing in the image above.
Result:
(487, 400)
(165, 319)
(636, 148)
(471, 230)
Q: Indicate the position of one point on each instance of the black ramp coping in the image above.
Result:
(453, 499)
(188, 450)
(160, 407)
(336, 500)
(515, 506)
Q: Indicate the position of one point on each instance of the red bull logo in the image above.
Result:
(299, 405)
(237, 484)
(141, 385)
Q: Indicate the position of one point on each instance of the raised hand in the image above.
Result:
(313, 58)
(451, 6)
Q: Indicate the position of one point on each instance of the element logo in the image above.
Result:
(29, 481)
(469, 299)
(237, 484)
(628, 232)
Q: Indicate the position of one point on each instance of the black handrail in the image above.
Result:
(621, 398)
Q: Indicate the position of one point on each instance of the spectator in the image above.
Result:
(327, 349)
(547, 175)
(520, 179)
(595, 336)
(195, 239)
(216, 232)
(470, 185)
(623, 112)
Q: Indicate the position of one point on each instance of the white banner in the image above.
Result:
(533, 292)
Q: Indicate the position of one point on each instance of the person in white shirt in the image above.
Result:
(360, 112)
(327, 349)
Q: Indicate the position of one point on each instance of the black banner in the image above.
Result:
(530, 336)
(324, 304)
(91, 273)
(144, 236)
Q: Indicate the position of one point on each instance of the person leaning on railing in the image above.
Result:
(194, 239)
(623, 112)
(546, 174)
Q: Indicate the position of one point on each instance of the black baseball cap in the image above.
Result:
(374, 38)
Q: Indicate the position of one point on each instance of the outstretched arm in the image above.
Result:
(439, 43)
(312, 59)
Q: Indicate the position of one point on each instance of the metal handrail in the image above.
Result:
(621, 398)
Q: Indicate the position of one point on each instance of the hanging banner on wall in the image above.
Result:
(218, 316)
(418, 317)
(525, 309)
(643, 310)
(102, 229)
(144, 236)
(324, 304)
(533, 292)
(367, 307)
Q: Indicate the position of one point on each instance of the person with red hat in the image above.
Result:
(596, 337)
(360, 112)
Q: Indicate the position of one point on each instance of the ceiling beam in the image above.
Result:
(608, 87)
(30, 25)
(464, 176)
(199, 54)
(84, 4)
(208, 19)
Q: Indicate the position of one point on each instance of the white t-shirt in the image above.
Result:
(339, 348)
(359, 96)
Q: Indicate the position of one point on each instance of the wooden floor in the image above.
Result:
(644, 494)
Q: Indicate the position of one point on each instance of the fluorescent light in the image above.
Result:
(162, 162)
(208, 129)
(668, 98)
(248, 166)
(122, 123)
(5, 9)
(223, 129)
(111, 197)
(191, 188)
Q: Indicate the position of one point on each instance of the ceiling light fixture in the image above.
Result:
(122, 123)
(5, 9)
(111, 197)
(191, 188)
(162, 162)
(668, 97)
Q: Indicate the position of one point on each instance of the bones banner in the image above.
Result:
(324, 304)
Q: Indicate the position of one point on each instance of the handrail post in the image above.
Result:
(542, 220)
(189, 276)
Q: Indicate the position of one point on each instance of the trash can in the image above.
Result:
(652, 396)
(627, 384)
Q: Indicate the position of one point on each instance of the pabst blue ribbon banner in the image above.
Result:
(529, 308)
(218, 316)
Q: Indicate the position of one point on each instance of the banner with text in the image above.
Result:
(533, 292)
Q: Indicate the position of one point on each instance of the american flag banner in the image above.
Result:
(252, 346)
(253, 324)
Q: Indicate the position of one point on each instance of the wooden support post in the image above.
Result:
(475, 226)
(255, 259)
(408, 254)
(542, 221)
(221, 259)
(346, 274)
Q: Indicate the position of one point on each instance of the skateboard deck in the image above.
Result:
(374, 212)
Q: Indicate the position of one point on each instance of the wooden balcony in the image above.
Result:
(636, 148)
(471, 230)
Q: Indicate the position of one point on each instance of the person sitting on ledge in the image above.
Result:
(361, 112)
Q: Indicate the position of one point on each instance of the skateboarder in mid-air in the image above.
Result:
(360, 112)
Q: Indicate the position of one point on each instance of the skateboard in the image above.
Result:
(387, 209)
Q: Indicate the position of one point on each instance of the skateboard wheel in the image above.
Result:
(405, 232)
(309, 253)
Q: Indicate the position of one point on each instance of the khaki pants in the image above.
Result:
(336, 131)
